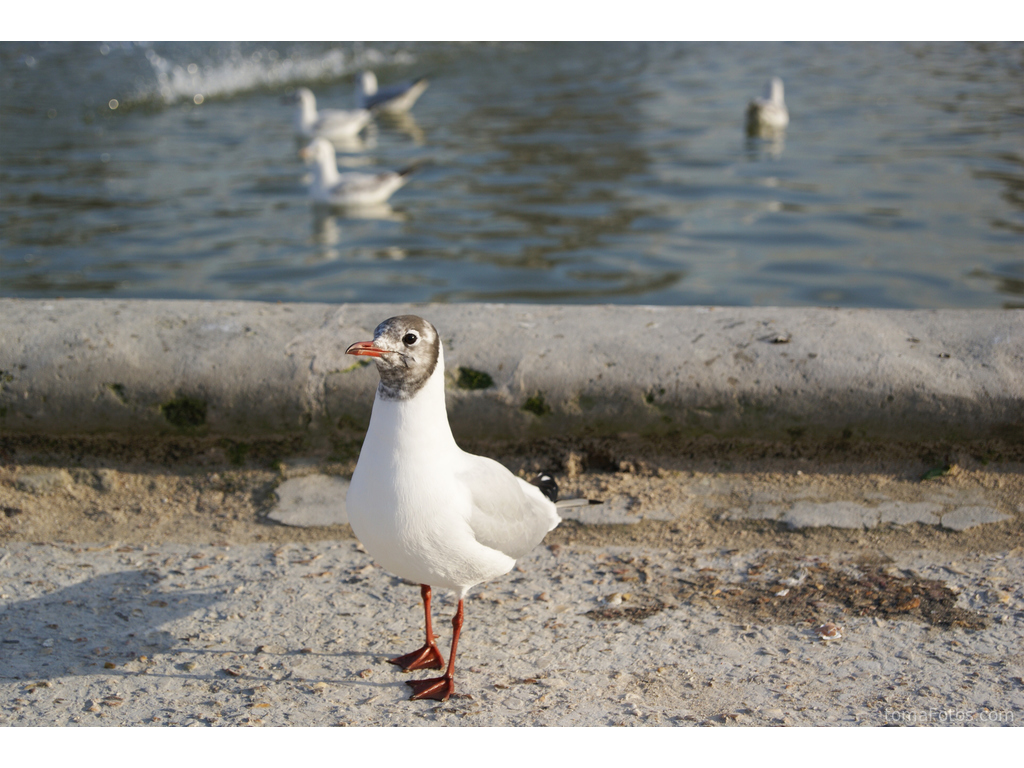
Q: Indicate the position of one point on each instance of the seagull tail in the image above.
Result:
(409, 169)
(547, 485)
(570, 503)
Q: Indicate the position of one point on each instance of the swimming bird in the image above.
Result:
(769, 114)
(329, 123)
(426, 510)
(354, 189)
(394, 98)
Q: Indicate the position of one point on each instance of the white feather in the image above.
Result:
(769, 113)
(332, 187)
(430, 512)
(326, 123)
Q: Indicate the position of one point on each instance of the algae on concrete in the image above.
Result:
(185, 412)
(470, 378)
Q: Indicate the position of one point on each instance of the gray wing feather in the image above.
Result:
(508, 514)
(361, 183)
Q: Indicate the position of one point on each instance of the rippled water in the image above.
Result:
(585, 173)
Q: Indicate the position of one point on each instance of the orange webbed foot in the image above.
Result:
(437, 688)
(427, 657)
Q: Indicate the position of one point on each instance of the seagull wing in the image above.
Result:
(366, 188)
(339, 121)
(403, 95)
(508, 514)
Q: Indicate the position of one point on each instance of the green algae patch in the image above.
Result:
(119, 392)
(536, 405)
(236, 452)
(473, 379)
(650, 396)
(356, 366)
(185, 412)
(934, 472)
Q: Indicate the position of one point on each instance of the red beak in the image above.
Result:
(365, 349)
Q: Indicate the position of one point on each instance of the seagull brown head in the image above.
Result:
(406, 350)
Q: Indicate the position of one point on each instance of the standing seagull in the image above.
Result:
(394, 98)
(328, 123)
(425, 509)
(351, 189)
(769, 114)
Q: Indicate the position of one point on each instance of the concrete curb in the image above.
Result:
(252, 370)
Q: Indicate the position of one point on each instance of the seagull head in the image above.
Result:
(302, 96)
(406, 350)
(319, 151)
(774, 91)
(368, 83)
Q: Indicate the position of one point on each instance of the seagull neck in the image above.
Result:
(368, 84)
(327, 169)
(308, 112)
(418, 424)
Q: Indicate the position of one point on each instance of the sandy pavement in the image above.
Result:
(158, 594)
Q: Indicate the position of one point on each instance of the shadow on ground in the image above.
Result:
(96, 624)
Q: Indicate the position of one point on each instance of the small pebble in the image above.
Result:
(829, 631)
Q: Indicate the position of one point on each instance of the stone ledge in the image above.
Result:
(250, 370)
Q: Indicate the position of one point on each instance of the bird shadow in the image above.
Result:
(326, 228)
(95, 624)
(405, 123)
(765, 143)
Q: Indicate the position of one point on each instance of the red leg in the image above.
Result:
(440, 688)
(429, 656)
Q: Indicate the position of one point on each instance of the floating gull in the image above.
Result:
(338, 124)
(768, 115)
(395, 98)
(354, 189)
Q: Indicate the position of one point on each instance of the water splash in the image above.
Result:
(264, 68)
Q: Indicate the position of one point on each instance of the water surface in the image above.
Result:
(564, 173)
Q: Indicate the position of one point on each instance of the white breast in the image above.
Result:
(431, 513)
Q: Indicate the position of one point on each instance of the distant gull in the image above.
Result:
(394, 98)
(769, 114)
(328, 123)
(331, 187)
(426, 510)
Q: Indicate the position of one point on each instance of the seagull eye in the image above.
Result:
(409, 339)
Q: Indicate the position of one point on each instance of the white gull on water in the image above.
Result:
(328, 123)
(393, 98)
(768, 114)
(426, 510)
(331, 187)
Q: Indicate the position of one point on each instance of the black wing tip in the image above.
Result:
(547, 485)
